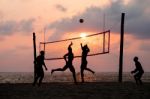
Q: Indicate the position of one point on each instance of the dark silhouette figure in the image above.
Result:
(69, 59)
(39, 69)
(84, 62)
(138, 72)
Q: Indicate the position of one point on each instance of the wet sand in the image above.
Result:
(68, 90)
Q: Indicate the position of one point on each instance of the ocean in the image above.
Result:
(27, 77)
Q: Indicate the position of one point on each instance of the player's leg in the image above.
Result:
(41, 77)
(88, 69)
(59, 69)
(136, 78)
(35, 80)
(73, 72)
(36, 77)
(82, 75)
(85, 67)
(140, 76)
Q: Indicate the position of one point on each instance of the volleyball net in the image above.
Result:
(98, 43)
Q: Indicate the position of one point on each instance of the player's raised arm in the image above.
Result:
(81, 46)
(70, 44)
(88, 48)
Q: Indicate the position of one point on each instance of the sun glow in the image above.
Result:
(83, 35)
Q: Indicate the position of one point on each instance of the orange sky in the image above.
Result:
(20, 18)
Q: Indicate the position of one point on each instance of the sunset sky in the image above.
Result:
(60, 20)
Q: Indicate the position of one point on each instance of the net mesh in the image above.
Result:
(98, 43)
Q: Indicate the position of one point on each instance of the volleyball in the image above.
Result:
(81, 20)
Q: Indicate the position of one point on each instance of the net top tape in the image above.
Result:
(75, 38)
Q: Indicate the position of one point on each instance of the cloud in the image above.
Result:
(2, 38)
(68, 25)
(61, 8)
(9, 52)
(137, 21)
(23, 47)
(1, 15)
(145, 47)
(11, 27)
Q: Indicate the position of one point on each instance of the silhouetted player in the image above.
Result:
(138, 71)
(68, 58)
(84, 62)
(39, 69)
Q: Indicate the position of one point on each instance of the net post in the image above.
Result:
(104, 41)
(44, 38)
(44, 46)
(39, 47)
(34, 51)
(121, 48)
(108, 40)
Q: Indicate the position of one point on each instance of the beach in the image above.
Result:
(68, 90)
(61, 86)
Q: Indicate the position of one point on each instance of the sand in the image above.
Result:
(68, 90)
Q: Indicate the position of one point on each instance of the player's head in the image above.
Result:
(135, 58)
(85, 47)
(42, 53)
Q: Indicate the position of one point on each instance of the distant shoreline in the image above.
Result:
(27, 77)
